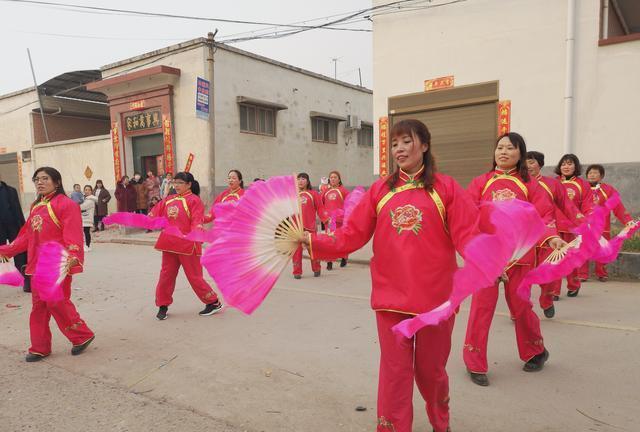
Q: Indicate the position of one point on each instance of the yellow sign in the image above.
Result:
(439, 83)
(88, 173)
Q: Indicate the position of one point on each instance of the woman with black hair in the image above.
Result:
(579, 191)
(418, 219)
(53, 218)
(509, 180)
(184, 210)
(310, 206)
(332, 200)
(233, 193)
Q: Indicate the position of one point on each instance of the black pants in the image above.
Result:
(97, 222)
(87, 236)
(8, 233)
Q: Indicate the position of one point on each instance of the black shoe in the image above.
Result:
(316, 274)
(77, 349)
(330, 265)
(211, 309)
(556, 298)
(343, 262)
(479, 378)
(537, 362)
(550, 312)
(32, 357)
(573, 293)
(27, 284)
(297, 276)
(162, 313)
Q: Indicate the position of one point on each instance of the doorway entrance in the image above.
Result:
(148, 154)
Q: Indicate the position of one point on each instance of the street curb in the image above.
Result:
(137, 242)
(626, 266)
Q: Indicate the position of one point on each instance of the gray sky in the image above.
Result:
(94, 39)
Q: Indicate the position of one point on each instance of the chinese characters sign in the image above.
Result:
(20, 181)
(438, 83)
(137, 105)
(149, 119)
(504, 117)
(384, 146)
(115, 141)
(168, 145)
(202, 99)
(187, 168)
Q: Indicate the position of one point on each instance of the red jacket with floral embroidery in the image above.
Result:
(602, 192)
(186, 212)
(225, 196)
(499, 185)
(415, 238)
(333, 199)
(53, 218)
(310, 205)
(568, 216)
(579, 191)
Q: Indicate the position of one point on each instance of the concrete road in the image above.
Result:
(302, 362)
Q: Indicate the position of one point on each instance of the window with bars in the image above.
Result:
(324, 130)
(258, 120)
(365, 136)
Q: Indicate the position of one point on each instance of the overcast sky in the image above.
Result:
(63, 40)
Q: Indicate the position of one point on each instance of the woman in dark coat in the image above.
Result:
(102, 209)
(126, 196)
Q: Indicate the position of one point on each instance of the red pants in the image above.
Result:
(423, 359)
(297, 263)
(171, 263)
(573, 282)
(547, 291)
(483, 306)
(601, 269)
(66, 316)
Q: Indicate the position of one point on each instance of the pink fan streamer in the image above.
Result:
(608, 250)
(136, 220)
(546, 272)
(239, 259)
(50, 271)
(204, 235)
(515, 228)
(9, 275)
(344, 213)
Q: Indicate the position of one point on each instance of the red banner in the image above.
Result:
(115, 141)
(168, 146)
(20, 181)
(187, 168)
(383, 124)
(504, 117)
(439, 83)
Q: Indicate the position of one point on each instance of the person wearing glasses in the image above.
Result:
(184, 210)
(53, 218)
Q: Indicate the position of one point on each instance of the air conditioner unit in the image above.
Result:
(353, 122)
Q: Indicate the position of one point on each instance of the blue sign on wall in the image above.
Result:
(202, 99)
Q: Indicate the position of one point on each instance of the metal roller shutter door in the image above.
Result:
(9, 170)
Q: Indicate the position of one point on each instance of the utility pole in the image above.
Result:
(212, 116)
(35, 84)
(335, 67)
(360, 76)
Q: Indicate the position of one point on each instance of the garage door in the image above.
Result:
(463, 126)
(9, 169)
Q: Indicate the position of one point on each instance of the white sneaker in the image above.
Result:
(87, 249)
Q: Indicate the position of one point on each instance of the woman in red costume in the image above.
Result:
(53, 218)
(332, 200)
(310, 205)
(185, 211)
(418, 219)
(567, 217)
(233, 193)
(579, 191)
(509, 180)
(601, 193)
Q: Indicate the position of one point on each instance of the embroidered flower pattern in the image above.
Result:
(172, 212)
(503, 195)
(406, 218)
(36, 223)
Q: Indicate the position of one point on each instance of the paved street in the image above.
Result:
(303, 362)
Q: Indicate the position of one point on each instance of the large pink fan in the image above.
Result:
(515, 228)
(609, 249)
(51, 270)
(9, 274)
(136, 220)
(562, 262)
(203, 235)
(349, 204)
(256, 240)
